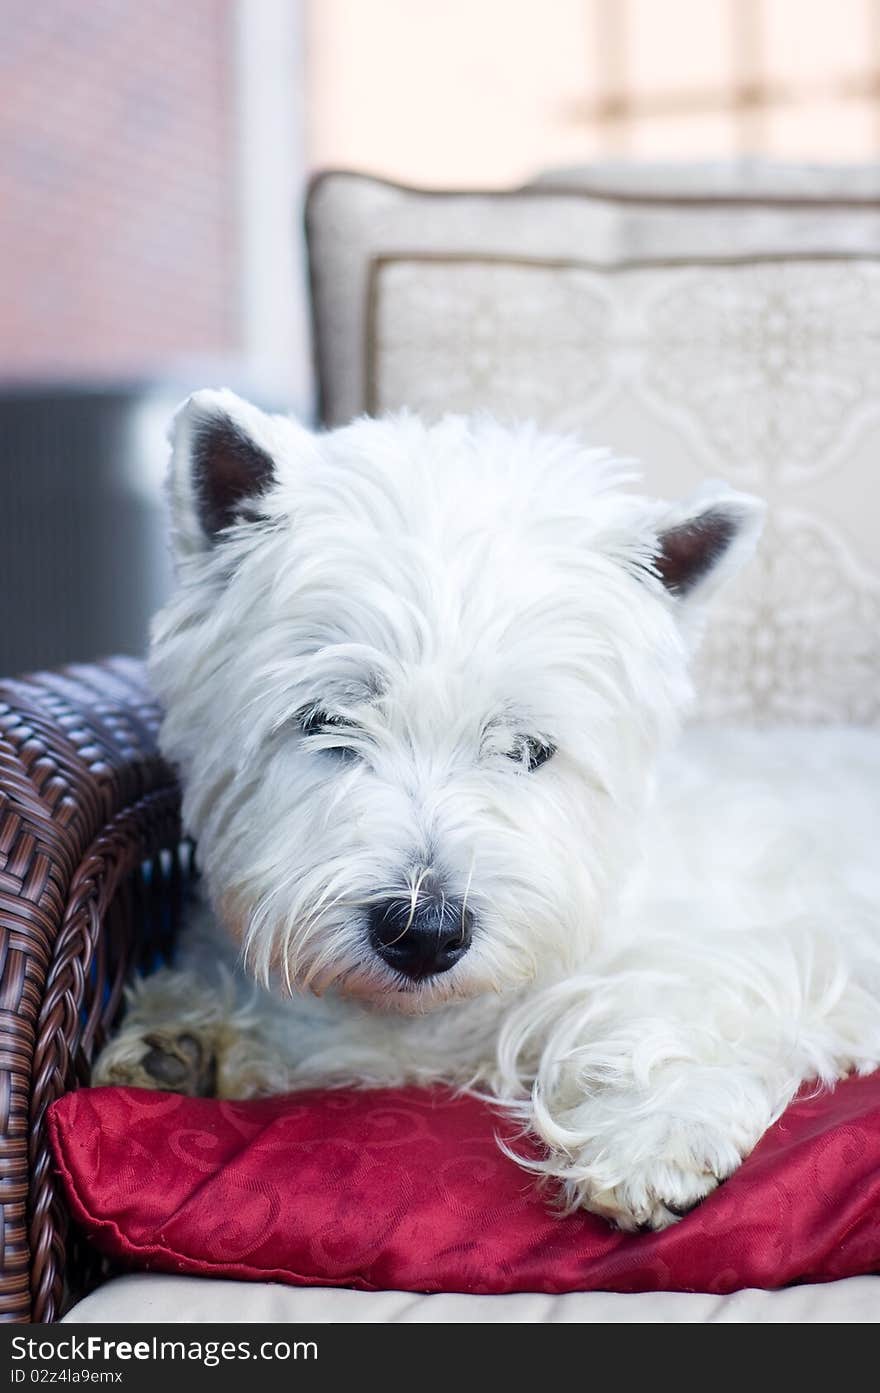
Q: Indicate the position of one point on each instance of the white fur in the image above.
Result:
(654, 972)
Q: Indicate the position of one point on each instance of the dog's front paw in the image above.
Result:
(654, 1195)
(176, 1061)
(653, 1173)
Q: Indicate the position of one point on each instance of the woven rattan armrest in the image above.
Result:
(90, 874)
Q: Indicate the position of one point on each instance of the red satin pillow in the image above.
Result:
(407, 1190)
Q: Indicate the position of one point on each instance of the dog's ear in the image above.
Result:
(225, 457)
(705, 540)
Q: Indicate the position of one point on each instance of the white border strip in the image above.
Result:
(268, 42)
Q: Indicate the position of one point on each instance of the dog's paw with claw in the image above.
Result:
(653, 1174)
(175, 1061)
(654, 1196)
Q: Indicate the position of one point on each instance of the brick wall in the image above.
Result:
(118, 231)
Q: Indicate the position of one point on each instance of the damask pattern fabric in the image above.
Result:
(763, 373)
(407, 1190)
(736, 339)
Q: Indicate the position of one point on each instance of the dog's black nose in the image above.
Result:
(424, 939)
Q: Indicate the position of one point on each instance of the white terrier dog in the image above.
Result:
(418, 680)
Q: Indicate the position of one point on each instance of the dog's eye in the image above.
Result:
(319, 722)
(315, 721)
(538, 752)
(532, 752)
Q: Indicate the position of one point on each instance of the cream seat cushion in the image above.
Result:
(155, 1298)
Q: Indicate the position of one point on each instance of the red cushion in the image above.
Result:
(407, 1190)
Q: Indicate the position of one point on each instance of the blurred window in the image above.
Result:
(775, 77)
(487, 91)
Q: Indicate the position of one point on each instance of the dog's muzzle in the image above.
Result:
(422, 939)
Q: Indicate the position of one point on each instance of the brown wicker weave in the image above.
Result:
(90, 874)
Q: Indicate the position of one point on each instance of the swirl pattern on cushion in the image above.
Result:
(407, 1190)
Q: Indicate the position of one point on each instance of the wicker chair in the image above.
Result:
(91, 876)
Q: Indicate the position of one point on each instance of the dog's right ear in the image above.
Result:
(225, 457)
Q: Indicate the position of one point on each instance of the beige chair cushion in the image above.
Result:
(743, 177)
(736, 338)
(193, 1299)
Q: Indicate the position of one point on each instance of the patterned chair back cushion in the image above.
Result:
(735, 336)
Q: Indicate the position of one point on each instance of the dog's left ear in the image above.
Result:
(226, 455)
(703, 542)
